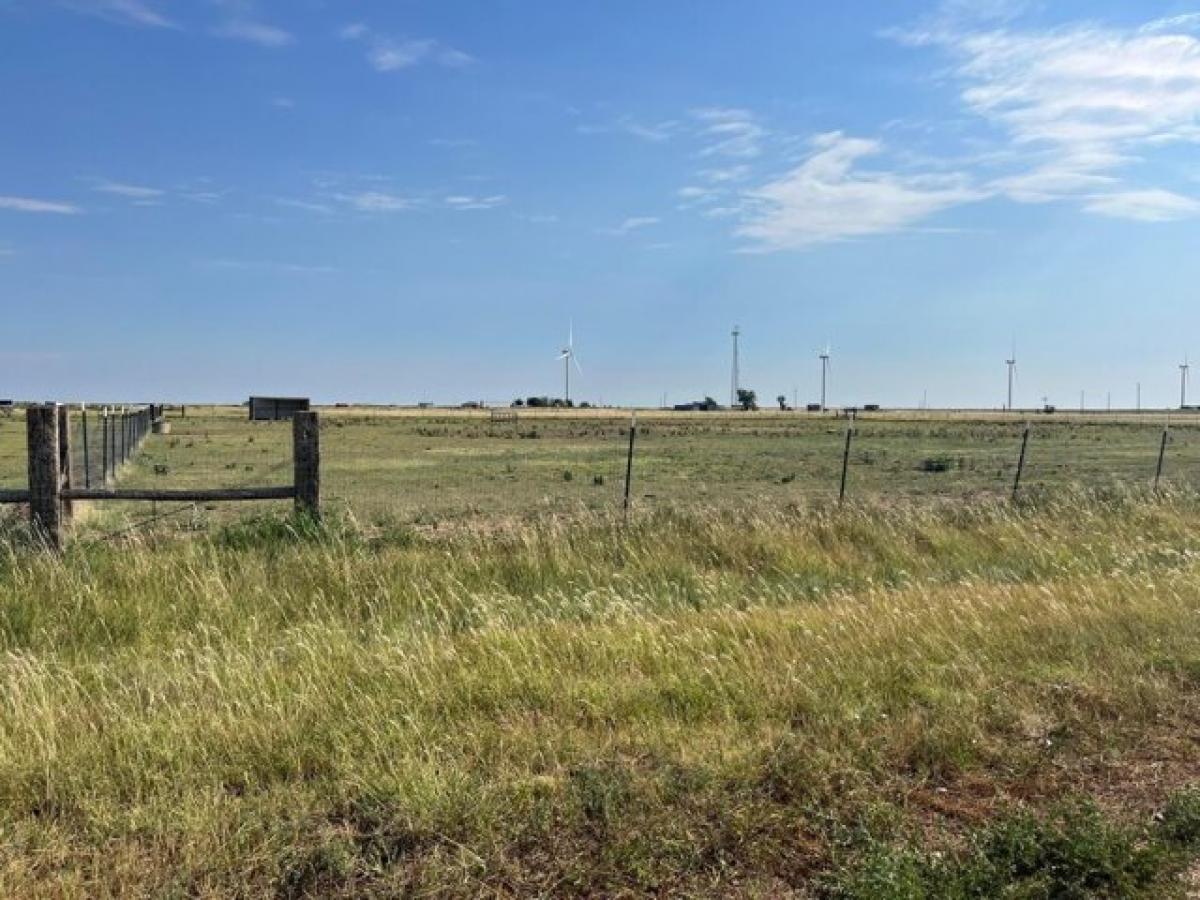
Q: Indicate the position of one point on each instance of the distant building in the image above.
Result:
(271, 409)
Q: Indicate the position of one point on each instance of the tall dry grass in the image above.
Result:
(700, 701)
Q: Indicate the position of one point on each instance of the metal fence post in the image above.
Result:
(629, 461)
(1021, 462)
(306, 461)
(1162, 455)
(846, 461)
(45, 486)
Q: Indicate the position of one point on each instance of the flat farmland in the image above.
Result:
(436, 466)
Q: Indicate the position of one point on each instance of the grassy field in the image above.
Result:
(896, 700)
(475, 679)
(442, 467)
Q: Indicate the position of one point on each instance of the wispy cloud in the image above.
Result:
(254, 32)
(828, 198)
(126, 12)
(305, 205)
(377, 201)
(631, 224)
(1079, 104)
(1144, 206)
(653, 132)
(269, 265)
(390, 54)
(30, 205)
(465, 202)
(123, 189)
(730, 132)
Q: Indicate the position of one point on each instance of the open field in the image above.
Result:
(387, 466)
(477, 679)
(878, 701)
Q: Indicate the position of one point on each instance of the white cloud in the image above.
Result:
(826, 198)
(29, 205)
(654, 133)
(254, 32)
(388, 54)
(730, 132)
(127, 12)
(132, 191)
(306, 205)
(538, 218)
(377, 201)
(269, 265)
(468, 202)
(1079, 104)
(1144, 206)
(633, 223)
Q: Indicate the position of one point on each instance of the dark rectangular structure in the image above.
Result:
(273, 409)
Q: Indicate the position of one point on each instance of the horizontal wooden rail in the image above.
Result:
(283, 492)
(7, 496)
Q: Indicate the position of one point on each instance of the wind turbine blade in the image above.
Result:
(578, 367)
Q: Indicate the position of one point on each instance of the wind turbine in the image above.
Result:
(568, 358)
(1011, 362)
(735, 375)
(1185, 371)
(824, 356)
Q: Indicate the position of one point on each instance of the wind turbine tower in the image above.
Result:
(1011, 362)
(1185, 371)
(568, 359)
(735, 378)
(824, 357)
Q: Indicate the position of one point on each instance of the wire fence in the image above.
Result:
(429, 467)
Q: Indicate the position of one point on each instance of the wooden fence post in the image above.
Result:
(306, 459)
(65, 467)
(45, 486)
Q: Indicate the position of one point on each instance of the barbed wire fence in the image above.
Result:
(437, 467)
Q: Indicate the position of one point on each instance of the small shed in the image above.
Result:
(271, 409)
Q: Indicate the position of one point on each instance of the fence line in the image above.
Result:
(51, 492)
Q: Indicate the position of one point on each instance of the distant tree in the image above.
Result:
(782, 401)
(518, 402)
(711, 404)
(747, 399)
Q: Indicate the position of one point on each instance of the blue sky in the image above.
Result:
(399, 201)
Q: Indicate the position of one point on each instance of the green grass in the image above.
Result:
(711, 701)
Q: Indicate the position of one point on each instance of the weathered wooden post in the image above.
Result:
(104, 446)
(87, 461)
(41, 427)
(1021, 462)
(65, 468)
(306, 460)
